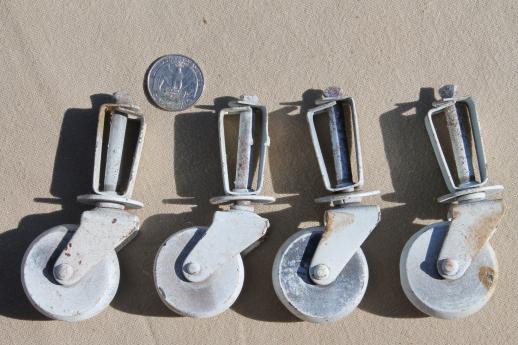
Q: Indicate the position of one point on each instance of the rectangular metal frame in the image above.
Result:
(133, 114)
(477, 138)
(318, 151)
(265, 142)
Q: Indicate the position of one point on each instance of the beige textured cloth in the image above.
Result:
(58, 58)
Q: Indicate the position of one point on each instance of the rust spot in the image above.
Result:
(114, 220)
(336, 221)
(487, 276)
(482, 230)
(487, 228)
(70, 245)
(455, 213)
(67, 254)
(204, 21)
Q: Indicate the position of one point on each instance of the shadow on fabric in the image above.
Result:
(72, 175)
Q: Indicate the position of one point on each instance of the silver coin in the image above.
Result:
(175, 82)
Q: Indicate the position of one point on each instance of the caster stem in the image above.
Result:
(114, 151)
(459, 138)
(342, 162)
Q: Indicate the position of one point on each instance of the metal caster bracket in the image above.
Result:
(321, 275)
(348, 224)
(208, 264)
(472, 220)
(86, 253)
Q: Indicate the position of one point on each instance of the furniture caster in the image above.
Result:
(449, 269)
(320, 274)
(71, 272)
(199, 271)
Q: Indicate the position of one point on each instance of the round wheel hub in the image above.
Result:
(88, 297)
(307, 300)
(204, 299)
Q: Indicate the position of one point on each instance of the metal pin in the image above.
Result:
(244, 151)
(341, 157)
(115, 144)
(459, 139)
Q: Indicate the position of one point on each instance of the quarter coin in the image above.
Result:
(175, 82)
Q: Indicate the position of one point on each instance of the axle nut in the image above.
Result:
(449, 267)
(192, 268)
(63, 272)
(320, 272)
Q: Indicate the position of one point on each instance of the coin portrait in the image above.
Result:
(175, 82)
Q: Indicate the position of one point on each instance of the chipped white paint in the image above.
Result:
(84, 277)
(100, 232)
(230, 233)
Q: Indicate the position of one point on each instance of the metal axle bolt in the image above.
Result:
(118, 124)
(342, 162)
(333, 91)
(63, 272)
(320, 272)
(449, 267)
(458, 136)
(250, 99)
(192, 268)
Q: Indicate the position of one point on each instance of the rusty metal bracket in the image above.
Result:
(472, 224)
(345, 230)
(460, 141)
(473, 219)
(449, 269)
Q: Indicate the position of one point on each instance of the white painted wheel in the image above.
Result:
(88, 297)
(204, 299)
(307, 300)
(439, 297)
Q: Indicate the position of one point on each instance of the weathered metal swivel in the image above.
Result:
(199, 271)
(71, 272)
(449, 269)
(321, 274)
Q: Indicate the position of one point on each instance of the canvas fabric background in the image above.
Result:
(60, 60)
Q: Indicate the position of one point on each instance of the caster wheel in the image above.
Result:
(81, 301)
(439, 297)
(204, 299)
(307, 300)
